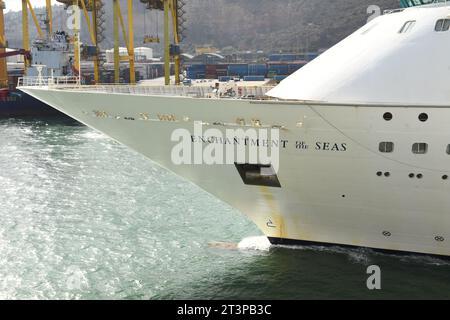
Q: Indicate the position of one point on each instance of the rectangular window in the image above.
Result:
(258, 175)
(442, 25)
(407, 27)
(386, 147)
(420, 148)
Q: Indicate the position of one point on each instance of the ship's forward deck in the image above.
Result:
(208, 89)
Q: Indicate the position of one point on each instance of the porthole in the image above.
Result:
(387, 174)
(388, 116)
(420, 148)
(379, 173)
(423, 117)
(445, 177)
(386, 147)
(448, 149)
(387, 234)
(412, 175)
(419, 176)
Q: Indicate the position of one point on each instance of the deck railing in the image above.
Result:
(48, 81)
(233, 90)
(242, 92)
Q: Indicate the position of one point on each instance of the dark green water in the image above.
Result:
(82, 217)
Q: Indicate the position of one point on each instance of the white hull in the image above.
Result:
(332, 197)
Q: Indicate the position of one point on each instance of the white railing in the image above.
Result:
(241, 92)
(225, 91)
(48, 81)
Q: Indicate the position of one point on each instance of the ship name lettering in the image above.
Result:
(302, 145)
(331, 146)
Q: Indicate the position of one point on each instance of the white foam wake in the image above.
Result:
(93, 135)
(260, 243)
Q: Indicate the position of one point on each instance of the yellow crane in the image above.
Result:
(172, 13)
(26, 9)
(171, 9)
(127, 38)
(3, 66)
(95, 31)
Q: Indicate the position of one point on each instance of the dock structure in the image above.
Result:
(93, 11)
(27, 9)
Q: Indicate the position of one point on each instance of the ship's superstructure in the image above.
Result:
(363, 137)
(49, 55)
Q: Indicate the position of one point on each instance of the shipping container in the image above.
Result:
(211, 67)
(278, 69)
(222, 67)
(211, 71)
(311, 56)
(221, 73)
(238, 70)
(279, 78)
(257, 69)
(195, 75)
(254, 78)
(294, 67)
(201, 67)
(224, 79)
(284, 57)
(196, 71)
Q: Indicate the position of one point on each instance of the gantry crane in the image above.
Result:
(25, 51)
(93, 11)
(173, 10)
(96, 28)
(26, 9)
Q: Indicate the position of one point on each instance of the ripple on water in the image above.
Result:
(83, 217)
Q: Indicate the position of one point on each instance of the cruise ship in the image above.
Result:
(363, 137)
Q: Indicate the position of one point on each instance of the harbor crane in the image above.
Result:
(25, 51)
(27, 9)
(94, 14)
(173, 11)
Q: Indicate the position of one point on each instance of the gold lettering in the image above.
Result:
(101, 114)
(256, 123)
(145, 116)
(166, 117)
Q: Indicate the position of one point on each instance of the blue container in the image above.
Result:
(195, 75)
(238, 70)
(283, 57)
(257, 69)
(311, 56)
(279, 78)
(254, 78)
(278, 69)
(224, 79)
(294, 67)
(197, 67)
(196, 71)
